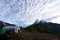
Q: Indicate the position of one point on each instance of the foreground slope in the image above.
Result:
(30, 36)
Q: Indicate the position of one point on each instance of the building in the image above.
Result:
(12, 29)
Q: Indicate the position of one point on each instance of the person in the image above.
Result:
(17, 29)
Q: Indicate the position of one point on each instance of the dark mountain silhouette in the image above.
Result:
(3, 24)
(43, 27)
(36, 22)
(6, 24)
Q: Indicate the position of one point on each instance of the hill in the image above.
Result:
(3, 24)
(37, 31)
(43, 27)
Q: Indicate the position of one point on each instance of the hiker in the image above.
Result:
(17, 29)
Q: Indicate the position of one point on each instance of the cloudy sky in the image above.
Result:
(25, 12)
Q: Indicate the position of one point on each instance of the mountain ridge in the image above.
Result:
(43, 27)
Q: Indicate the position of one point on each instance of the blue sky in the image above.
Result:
(25, 12)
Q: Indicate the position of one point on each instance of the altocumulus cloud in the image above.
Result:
(25, 12)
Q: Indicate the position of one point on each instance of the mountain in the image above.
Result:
(43, 27)
(3, 24)
(36, 22)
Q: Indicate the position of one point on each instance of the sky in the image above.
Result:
(25, 12)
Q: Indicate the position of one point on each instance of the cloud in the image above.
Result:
(25, 12)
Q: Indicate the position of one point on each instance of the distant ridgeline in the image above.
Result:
(3, 24)
(43, 27)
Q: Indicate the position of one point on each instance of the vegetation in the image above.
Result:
(49, 28)
(3, 31)
(36, 31)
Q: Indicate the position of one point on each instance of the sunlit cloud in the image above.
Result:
(25, 12)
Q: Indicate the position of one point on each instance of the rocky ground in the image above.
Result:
(30, 36)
